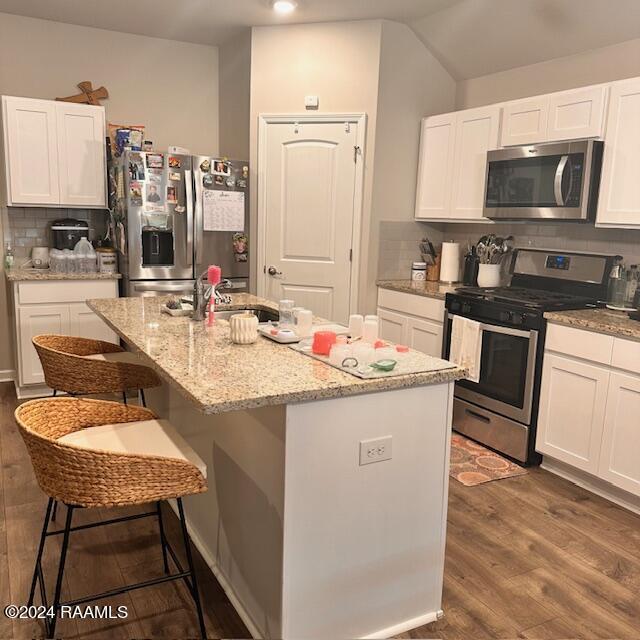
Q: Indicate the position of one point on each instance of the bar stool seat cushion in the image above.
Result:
(118, 356)
(144, 437)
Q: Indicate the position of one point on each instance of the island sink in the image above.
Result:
(263, 314)
(307, 539)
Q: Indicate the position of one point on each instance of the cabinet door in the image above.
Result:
(573, 398)
(437, 141)
(35, 320)
(577, 114)
(525, 121)
(619, 201)
(476, 133)
(425, 336)
(392, 326)
(84, 323)
(81, 155)
(30, 151)
(620, 455)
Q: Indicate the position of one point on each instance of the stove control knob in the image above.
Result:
(517, 318)
(455, 306)
(466, 308)
(504, 316)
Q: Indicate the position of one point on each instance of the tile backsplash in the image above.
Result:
(30, 227)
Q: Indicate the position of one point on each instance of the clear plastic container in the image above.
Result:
(285, 314)
(70, 261)
(85, 257)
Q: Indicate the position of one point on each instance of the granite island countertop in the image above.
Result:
(614, 323)
(219, 376)
(436, 290)
(19, 275)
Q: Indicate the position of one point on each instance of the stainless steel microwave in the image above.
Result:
(547, 181)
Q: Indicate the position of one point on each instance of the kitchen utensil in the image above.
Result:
(322, 342)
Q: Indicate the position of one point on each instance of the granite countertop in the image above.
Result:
(219, 376)
(615, 323)
(436, 290)
(17, 275)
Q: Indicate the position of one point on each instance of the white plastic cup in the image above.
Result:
(304, 323)
(370, 329)
(356, 325)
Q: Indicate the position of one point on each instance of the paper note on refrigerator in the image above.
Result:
(223, 210)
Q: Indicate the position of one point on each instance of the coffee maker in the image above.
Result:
(68, 231)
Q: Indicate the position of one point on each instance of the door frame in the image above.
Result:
(359, 119)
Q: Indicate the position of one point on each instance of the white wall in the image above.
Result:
(235, 96)
(592, 67)
(412, 84)
(171, 87)
(339, 62)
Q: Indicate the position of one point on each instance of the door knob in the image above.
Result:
(272, 271)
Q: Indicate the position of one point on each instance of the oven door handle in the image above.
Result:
(557, 182)
(519, 333)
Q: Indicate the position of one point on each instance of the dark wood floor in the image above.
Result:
(528, 557)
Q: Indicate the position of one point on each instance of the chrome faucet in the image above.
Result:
(202, 293)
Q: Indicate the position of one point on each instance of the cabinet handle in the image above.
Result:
(479, 416)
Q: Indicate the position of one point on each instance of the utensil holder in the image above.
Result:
(433, 271)
(244, 328)
(489, 275)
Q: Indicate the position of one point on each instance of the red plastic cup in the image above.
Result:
(322, 342)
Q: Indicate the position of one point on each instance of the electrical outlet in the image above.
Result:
(375, 450)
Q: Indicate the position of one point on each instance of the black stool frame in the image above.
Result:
(188, 576)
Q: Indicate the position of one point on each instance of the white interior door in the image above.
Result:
(309, 172)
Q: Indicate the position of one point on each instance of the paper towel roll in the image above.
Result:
(450, 262)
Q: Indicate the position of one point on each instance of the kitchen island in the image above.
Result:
(305, 539)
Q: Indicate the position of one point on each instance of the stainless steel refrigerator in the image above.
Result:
(174, 215)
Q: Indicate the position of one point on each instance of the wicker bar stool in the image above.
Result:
(97, 453)
(80, 366)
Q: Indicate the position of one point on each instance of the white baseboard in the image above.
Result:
(220, 577)
(595, 485)
(7, 375)
(407, 625)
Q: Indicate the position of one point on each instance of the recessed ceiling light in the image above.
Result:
(284, 6)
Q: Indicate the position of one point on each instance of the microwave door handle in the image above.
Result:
(188, 190)
(557, 183)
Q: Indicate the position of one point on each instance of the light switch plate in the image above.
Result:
(311, 102)
(375, 450)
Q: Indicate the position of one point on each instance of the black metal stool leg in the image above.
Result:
(37, 569)
(143, 400)
(124, 397)
(63, 556)
(163, 540)
(194, 582)
(55, 510)
(55, 393)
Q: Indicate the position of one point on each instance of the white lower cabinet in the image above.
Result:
(573, 400)
(57, 307)
(590, 411)
(410, 319)
(620, 455)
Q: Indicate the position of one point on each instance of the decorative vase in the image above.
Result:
(244, 328)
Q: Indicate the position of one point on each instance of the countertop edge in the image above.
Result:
(595, 325)
(420, 288)
(22, 275)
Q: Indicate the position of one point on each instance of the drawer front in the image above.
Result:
(626, 355)
(412, 304)
(58, 291)
(595, 347)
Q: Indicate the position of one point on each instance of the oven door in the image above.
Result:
(542, 181)
(507, 372)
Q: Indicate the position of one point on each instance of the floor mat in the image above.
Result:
(473, 464)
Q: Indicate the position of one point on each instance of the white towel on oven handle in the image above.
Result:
(466, 346)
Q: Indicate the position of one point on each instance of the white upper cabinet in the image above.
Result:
(525, 121)
(476, 133)
(54, 153)
(31, 145)
(81, 155)
(566, 115)
(453, 162)
(435, 167)
(619, 201)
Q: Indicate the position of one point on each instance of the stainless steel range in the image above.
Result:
(501, 410)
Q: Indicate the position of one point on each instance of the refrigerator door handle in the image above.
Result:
(198, 220)
(188, 188)
(164, 287)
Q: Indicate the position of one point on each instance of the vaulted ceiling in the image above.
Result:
(470, 37)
